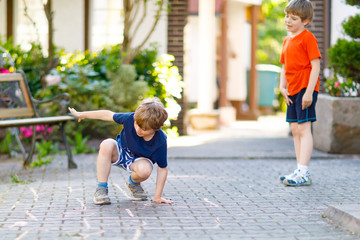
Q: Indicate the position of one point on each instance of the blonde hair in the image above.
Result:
(150, 114)
(302, 8)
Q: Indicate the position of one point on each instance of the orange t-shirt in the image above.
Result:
(297, 52)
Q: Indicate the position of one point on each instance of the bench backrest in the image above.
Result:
(15, 98)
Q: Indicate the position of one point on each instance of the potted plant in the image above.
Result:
(337, 129)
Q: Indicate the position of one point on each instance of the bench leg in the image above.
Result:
(28, 159)
(71, 163)
(20, 145)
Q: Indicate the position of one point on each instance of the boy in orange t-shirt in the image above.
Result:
(299, 84)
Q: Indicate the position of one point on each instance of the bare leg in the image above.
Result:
(306, 143)
(141, 170)
(297, 144)
(303, 142)
(107, 154)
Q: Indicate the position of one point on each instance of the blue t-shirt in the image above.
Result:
(155, 149)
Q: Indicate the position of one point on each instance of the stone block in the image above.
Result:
(347, 215)
(337, 129)
(200, 120)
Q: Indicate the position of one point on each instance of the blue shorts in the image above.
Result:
(295, 113)
(125, 158)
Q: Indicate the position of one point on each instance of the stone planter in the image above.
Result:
(337, 129)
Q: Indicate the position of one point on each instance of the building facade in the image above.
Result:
(90, 24)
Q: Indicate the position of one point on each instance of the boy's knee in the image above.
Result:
(294, 128)
(301, 129)
(143, 169)
(305, 128)
(106, 145)
(144, 172)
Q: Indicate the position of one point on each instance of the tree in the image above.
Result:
(132, 25)
(51, 61)
(49, 16)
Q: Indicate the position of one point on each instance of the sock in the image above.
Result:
(131, 181)
(103, 184)
(303, 169)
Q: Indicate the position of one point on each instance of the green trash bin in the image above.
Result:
(268, 79)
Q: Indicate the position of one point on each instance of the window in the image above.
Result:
(106, 23)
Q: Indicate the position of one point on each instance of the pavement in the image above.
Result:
(224, 185)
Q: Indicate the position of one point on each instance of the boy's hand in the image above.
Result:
(162, 200)
(75, 113)
(306, 100)
(285, 94)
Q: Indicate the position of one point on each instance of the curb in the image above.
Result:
(346, 215)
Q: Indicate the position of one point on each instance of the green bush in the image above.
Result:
(353, 2)
(344, 59)
(31, 60)
(99, 81)
(352, 26)
(144, 65)
(271, 32)
(163, 79)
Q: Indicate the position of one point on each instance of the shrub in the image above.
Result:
(31, 60)
(352, 26)
(344, 59)
(99, 81)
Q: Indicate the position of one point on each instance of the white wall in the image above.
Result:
(191, 59)
(106, 25)
(3, 20)
(237, 32)
(239, 52)
(69, 24)
(160, 33)
(339, 12)
(24, 30)
(191, 41)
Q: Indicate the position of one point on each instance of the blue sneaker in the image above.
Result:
(291, 175)
(298, 179)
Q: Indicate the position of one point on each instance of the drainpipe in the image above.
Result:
(223, 101)
(253, 98)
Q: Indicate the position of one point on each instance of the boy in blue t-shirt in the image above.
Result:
(140, 144)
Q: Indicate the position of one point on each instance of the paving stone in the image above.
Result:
(226, 187)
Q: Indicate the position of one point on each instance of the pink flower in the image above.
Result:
(337, 84)
(26, 132)
(43, 129)
(4, 71)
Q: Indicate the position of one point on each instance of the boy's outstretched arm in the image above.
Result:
(104, 115)
(160, 183)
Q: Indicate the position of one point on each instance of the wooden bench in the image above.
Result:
(18, 108)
